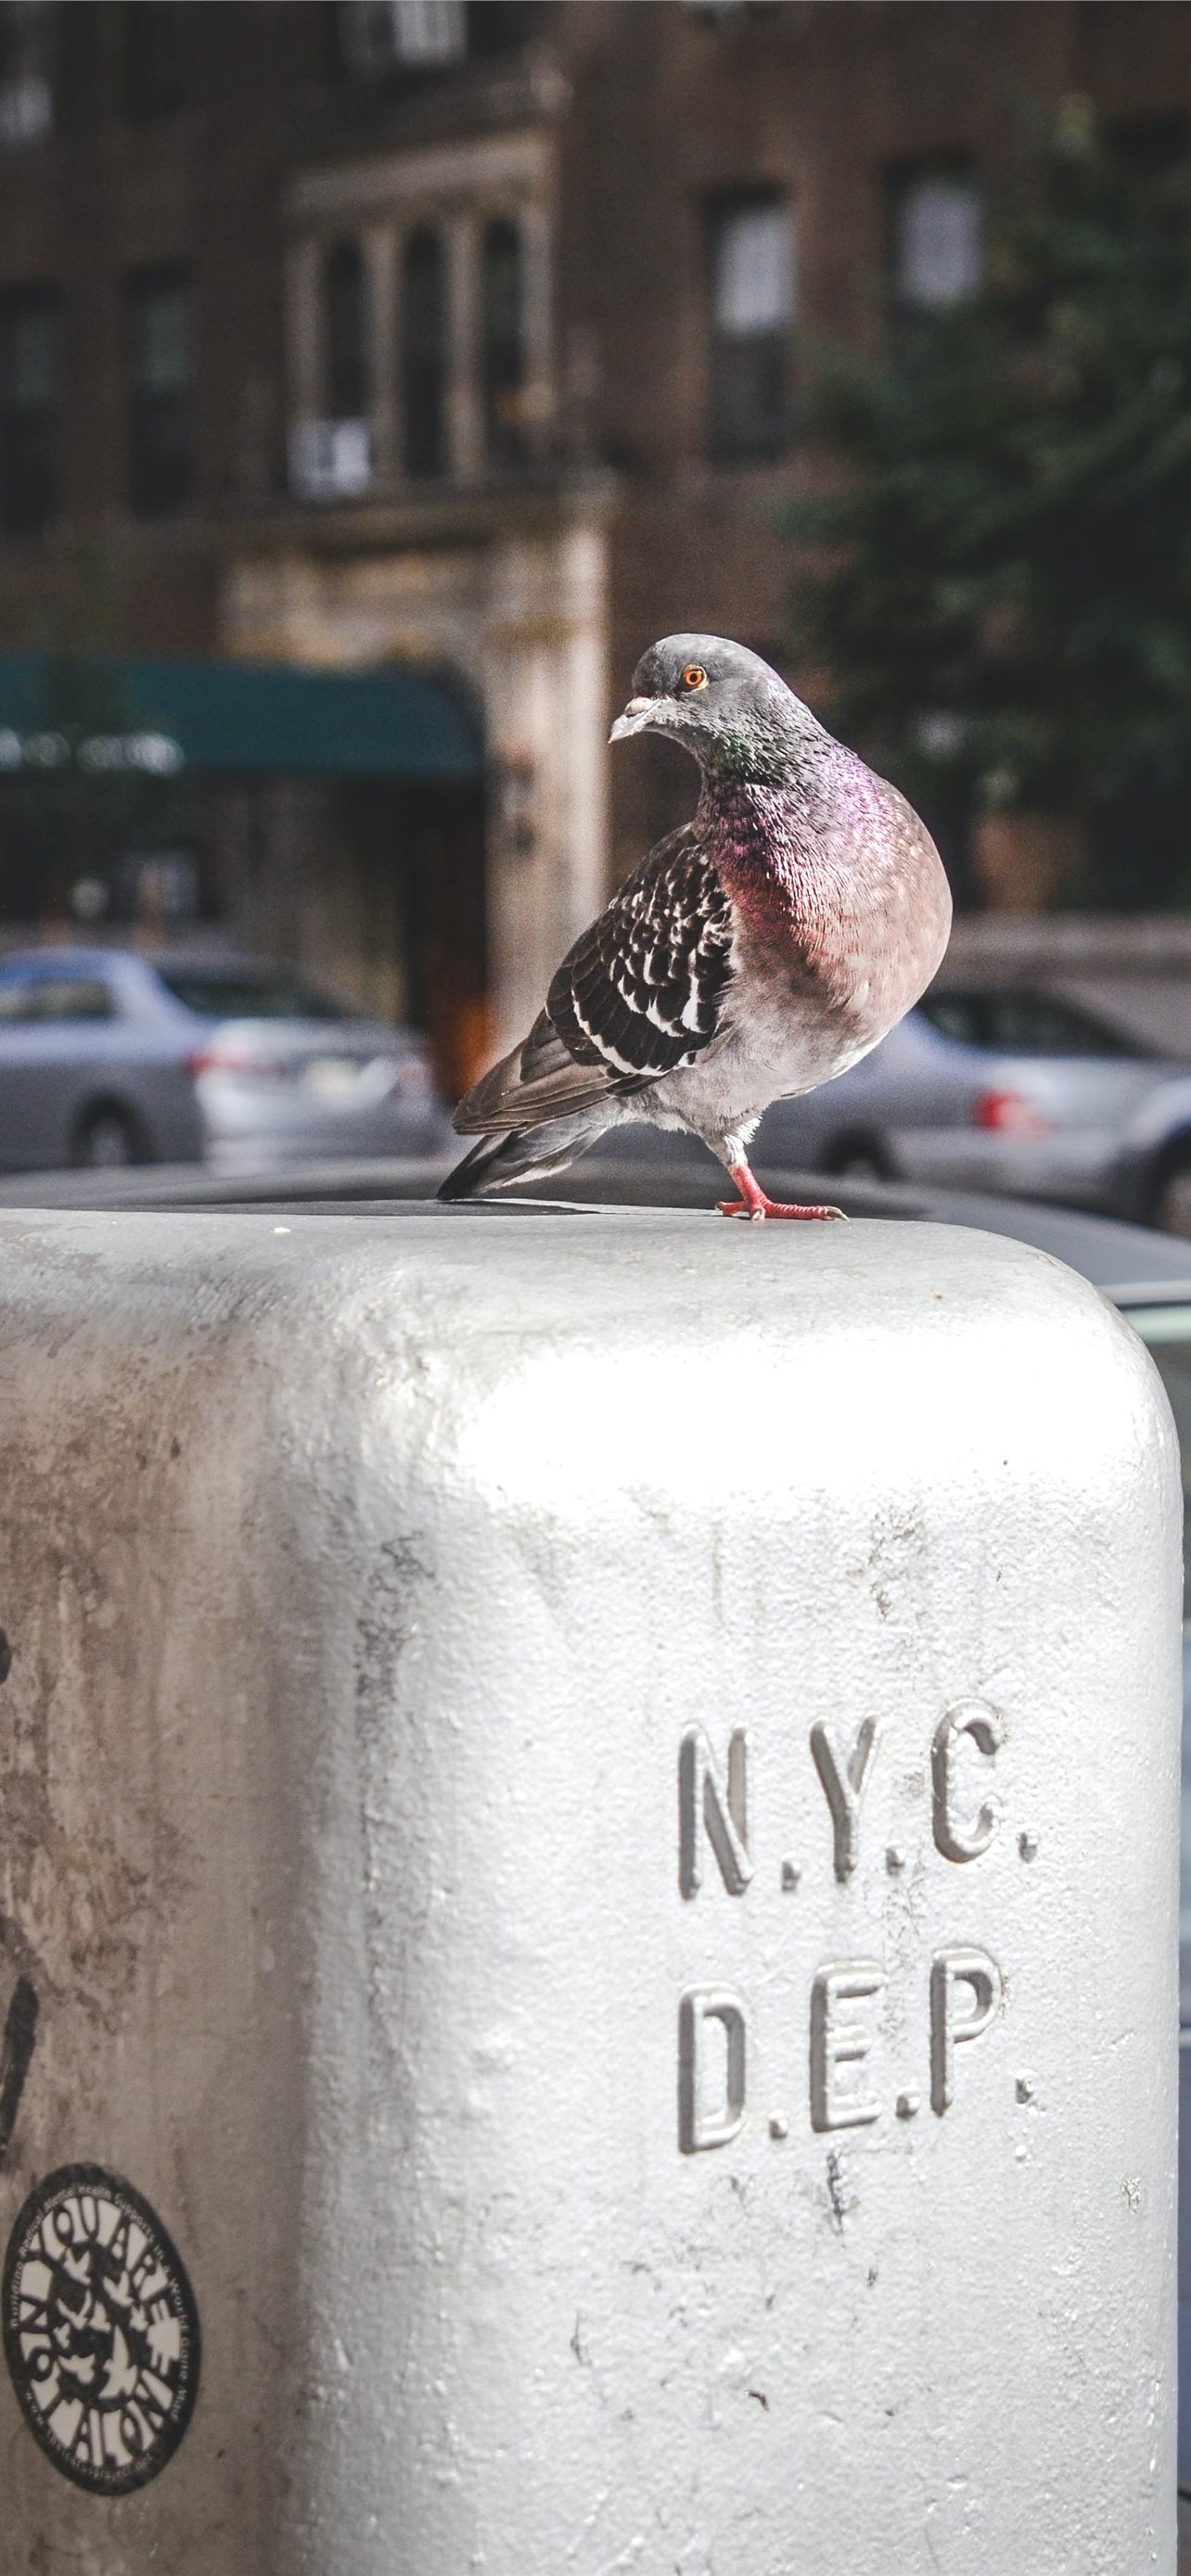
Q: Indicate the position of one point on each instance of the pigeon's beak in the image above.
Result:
(634, 720)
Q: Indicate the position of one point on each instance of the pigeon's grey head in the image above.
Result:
(723, 704)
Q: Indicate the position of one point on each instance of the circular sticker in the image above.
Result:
(101, 2333)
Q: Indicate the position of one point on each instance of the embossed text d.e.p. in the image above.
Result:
(965, 1986)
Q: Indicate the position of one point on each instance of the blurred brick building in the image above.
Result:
(463, 338)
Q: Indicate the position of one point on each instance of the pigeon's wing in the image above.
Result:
(640, 995)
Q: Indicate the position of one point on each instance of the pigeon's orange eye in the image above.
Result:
(694, 676)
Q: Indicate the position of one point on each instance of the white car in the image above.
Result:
(1013, 1090)
(107, 1058)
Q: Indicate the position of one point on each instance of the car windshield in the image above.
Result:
(47, 996)
(218, 996)
(1027, 1024)
(1167, 1330)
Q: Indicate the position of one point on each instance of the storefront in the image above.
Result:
(334, 818)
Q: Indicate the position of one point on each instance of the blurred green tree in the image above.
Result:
(998, 587)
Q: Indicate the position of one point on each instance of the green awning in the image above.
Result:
(58, 711)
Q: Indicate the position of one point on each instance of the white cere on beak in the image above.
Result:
(635, 717)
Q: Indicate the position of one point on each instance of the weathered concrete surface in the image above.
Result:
(364, 1577)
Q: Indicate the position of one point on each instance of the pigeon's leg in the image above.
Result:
(754, 1204)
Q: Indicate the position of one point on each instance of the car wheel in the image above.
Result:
(106, 1141)
(857, 1160)
(1171, 1204)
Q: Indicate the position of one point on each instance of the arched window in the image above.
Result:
(504, 343)
(424, 354)
(345, 333)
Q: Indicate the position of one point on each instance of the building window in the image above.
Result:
(331, 456)
(503, 360)
(345, 333)
(381, 36)
(156, 46)
(375, 39)
(936, 236)
(29, 32)
(424, 354)
(753, 300)
(30, 411)
(161, 368)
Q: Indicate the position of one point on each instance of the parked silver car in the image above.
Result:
(107, 1058)
(1013, 1091)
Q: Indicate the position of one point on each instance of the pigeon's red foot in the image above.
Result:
(754, 1203)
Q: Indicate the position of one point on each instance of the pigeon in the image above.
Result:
(760, 950)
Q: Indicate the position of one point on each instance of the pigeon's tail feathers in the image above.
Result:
(537, 1082)
(523, 1154)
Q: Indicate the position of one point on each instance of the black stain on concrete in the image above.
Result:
(20, 2032)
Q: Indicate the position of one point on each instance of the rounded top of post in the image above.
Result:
(623, 1348)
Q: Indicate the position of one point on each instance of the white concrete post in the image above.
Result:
(588, 1814)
